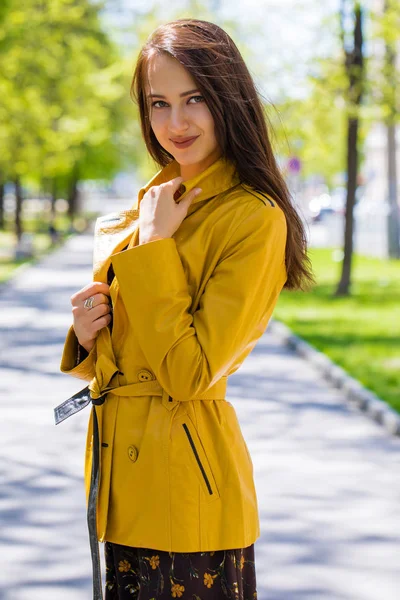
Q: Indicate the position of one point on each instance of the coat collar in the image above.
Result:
(113, 231)
(217, 178)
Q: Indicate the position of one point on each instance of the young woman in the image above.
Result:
(184, 285)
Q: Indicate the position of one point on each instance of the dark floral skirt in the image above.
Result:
(146, 574)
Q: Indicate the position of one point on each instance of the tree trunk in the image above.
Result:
(53, 199)
(393, 216)
(344, 285)
(393, 222)
(18, 208)
(2, 218)
(73, 193)
(355, 73)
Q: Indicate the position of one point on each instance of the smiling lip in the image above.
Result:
(185, 143)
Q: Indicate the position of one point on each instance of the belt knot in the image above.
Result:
(101, 382)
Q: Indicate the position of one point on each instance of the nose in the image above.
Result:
(178, 121)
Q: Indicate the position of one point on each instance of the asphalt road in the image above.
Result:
(327, 478)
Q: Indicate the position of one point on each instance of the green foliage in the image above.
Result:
(4, 8)
(315, 126)
(384, 73)
(361, 333)
(61, 89)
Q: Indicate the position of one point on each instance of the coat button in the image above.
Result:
(132, 453)
(145, 375)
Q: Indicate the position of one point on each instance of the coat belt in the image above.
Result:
(106, 381)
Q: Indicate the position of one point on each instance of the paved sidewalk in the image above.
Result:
(327, 478)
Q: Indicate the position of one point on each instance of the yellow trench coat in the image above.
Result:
(175, 470)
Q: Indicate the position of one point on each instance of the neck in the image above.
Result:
(190, 171)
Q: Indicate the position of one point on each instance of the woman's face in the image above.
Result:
(176, 114)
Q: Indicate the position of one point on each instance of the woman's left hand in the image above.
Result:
(159, 214)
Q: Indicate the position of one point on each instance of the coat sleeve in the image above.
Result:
(85, 369)
(190, 353)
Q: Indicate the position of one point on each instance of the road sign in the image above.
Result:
(294, 165)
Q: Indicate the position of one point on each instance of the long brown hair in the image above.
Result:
(215, 63)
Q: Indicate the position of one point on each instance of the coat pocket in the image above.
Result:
(194, 450)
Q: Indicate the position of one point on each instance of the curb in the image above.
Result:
(355, 393)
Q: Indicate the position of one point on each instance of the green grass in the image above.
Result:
(361, 333)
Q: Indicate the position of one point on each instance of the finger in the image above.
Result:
(97, 287)
(174, 183)
(98, 299)
(190, 197)
(101, 322)
(99, 311)
(90, 290)
(88, 317)
(103, 299)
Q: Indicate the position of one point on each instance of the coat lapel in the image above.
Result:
(112, 233)
(114, 230)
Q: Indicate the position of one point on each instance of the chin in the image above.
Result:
(185, 160)
(188, 158)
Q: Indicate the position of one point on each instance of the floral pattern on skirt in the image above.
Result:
(145, 574)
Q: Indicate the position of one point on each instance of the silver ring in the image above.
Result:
(89, 302)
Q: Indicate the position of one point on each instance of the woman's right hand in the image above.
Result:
(88, 321)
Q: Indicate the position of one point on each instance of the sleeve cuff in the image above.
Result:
(85, 369)
(156, 261)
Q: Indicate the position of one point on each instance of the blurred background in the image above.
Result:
(328, 73)
(327, 478)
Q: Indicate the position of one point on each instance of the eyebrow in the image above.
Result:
(180, 95)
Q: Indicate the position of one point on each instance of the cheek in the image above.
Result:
(158, 122)
(205, 120)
